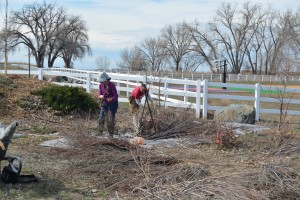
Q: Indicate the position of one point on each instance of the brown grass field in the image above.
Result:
(263, 165)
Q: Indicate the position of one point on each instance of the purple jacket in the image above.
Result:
(110, 92)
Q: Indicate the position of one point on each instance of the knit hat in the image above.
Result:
(104, 77)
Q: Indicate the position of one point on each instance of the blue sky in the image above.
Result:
(117, 24)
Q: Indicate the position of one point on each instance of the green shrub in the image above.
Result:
(67, 99)
(5, 81)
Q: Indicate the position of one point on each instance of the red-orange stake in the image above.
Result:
(218, 138)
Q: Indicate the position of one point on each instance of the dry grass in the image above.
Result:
(253, 166)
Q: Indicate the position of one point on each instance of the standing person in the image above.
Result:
(108, 97)
(135, 102)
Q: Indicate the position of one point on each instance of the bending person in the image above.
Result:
(135, 103)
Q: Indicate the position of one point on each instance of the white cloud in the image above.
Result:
(117, 24)
(109, 41)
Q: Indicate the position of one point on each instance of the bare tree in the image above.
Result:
(10, 42)
(70, 41)
(278, 33)
(294, 42)
(153, 53)
(35, 25)
(234, 30)
(203, 44)
(132, 59)
(103, 63)
(278, 41)
(177, 43)
(281, 91)
(254, 50)
(76, 45)
(191, 62)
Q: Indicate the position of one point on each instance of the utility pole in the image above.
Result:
(5, 48)
(255, 68)
(224, 73)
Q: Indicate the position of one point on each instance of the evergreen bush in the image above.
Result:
(67, 99)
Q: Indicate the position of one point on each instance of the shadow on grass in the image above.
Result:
(45, 188)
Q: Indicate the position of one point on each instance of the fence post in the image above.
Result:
(185, 98)
(257, 101)
(127, 85)
(204, 99)
(118, 83)
(40, 74)
(88, 82)
(165, 93)
(198, 98)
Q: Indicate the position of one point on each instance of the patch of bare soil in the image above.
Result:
(253, 166)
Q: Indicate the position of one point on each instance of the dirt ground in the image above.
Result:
(258, 165)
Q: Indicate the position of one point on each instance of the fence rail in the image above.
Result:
(219, 76)
(193, 94)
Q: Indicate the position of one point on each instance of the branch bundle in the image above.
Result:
(172, 123)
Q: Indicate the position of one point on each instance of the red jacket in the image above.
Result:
(137, 94)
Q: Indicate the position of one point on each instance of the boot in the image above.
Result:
(100, 128)
(111, 129)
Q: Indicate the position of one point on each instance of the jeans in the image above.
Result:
(108, 113)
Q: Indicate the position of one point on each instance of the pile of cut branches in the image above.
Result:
(172, 123)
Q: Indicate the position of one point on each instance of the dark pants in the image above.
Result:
(108, 111)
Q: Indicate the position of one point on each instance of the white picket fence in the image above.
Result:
(173, 92)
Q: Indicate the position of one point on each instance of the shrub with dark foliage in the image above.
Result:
(67, 99)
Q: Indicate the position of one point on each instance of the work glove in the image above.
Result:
(138, 102)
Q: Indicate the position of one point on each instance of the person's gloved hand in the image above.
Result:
(138, 102)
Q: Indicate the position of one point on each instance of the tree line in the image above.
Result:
(246, 35)
(49, 32)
